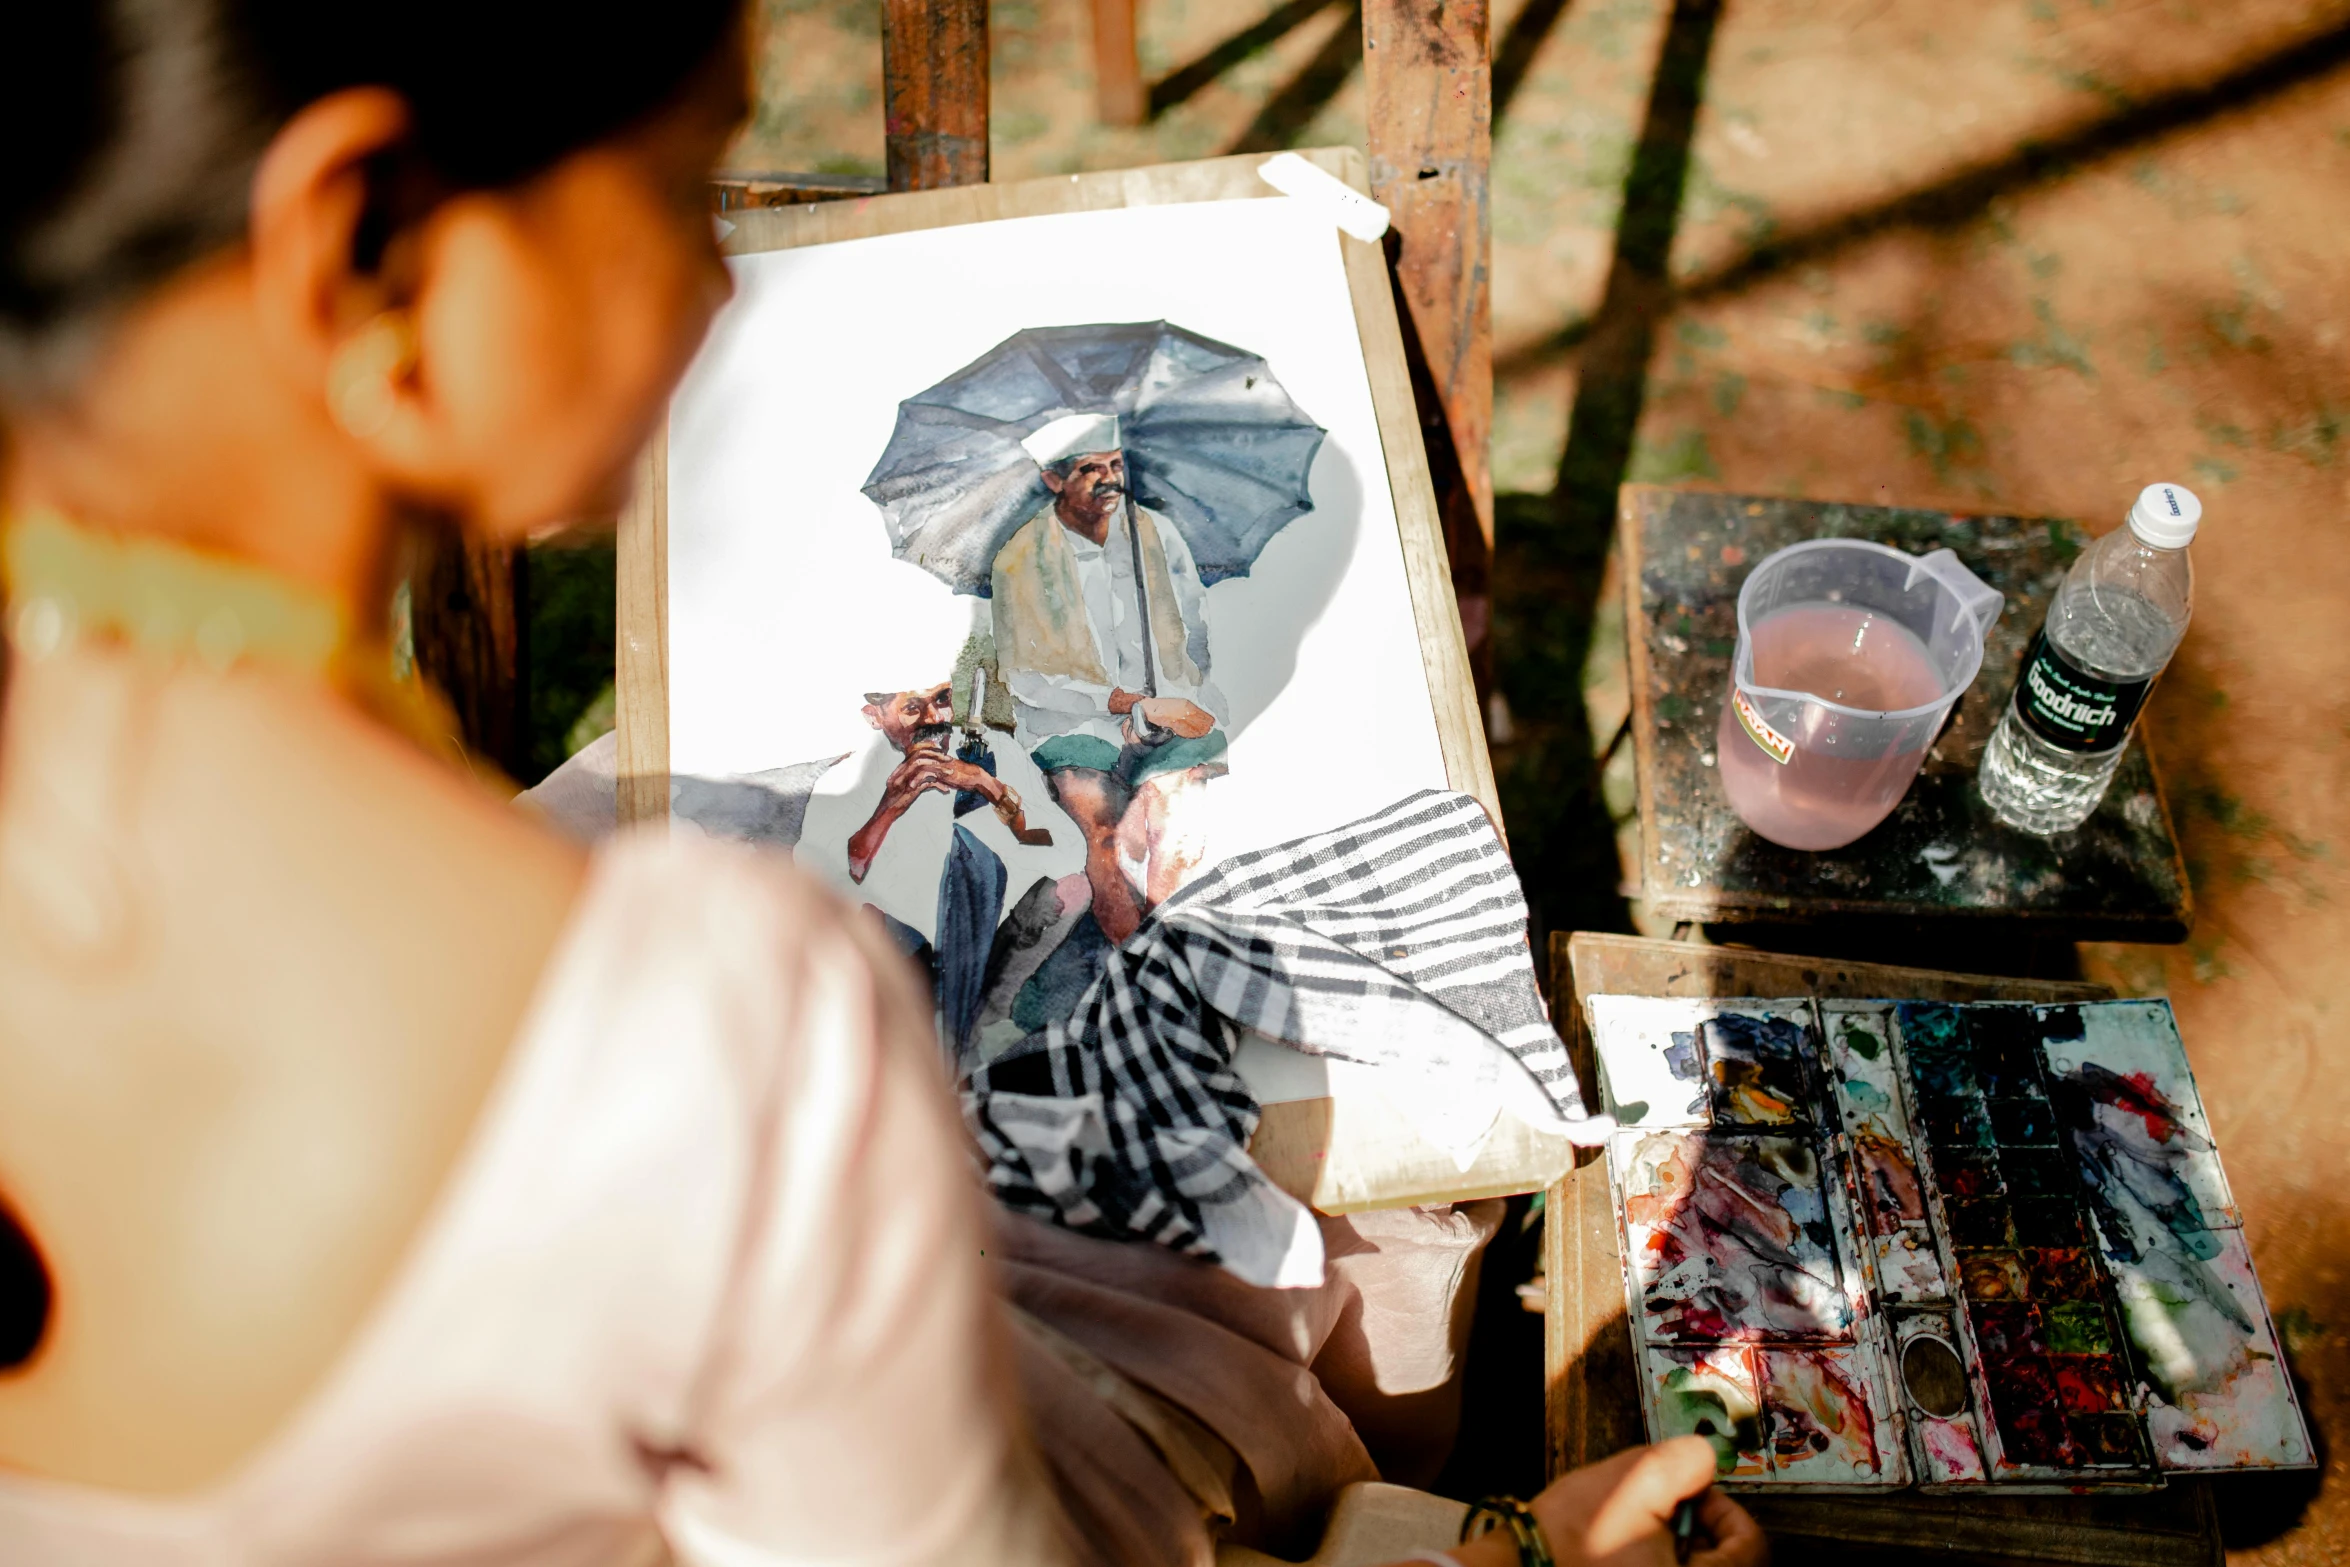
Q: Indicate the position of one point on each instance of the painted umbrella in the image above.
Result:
(1212, 443)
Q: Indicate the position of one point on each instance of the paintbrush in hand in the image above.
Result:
(1685, 1527)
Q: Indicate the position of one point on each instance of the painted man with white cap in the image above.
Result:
(1101, 635)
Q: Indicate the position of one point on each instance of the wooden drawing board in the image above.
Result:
(1593, 1404)
(1338, 1156)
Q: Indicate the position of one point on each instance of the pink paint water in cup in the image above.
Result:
(1850, 655)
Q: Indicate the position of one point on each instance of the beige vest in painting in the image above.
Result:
(1040, 619)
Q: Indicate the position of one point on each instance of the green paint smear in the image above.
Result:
(1860, 1041)
(2077, 1329)
(1692, 1405)
(1866, 1096)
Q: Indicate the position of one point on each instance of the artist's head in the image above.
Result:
(266, 265)
(911, 718)
(1089, 487)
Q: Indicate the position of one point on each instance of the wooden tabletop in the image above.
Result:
(1593, 1406)
(1940, 854)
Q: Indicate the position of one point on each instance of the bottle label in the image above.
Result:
(1774, 745)
(2067, 706)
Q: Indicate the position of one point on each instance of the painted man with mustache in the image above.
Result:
(920, 725)
(1102, 636)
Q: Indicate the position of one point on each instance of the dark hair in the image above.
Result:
(136, 124)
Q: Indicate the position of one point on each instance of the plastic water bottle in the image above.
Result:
(2114, 625)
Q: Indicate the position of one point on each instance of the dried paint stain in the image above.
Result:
(1730, 1239)
(1757, 1067)
(1818, 1418)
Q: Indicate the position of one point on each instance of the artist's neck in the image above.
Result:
(251, 470)
(1095, 526)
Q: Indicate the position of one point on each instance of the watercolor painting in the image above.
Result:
(1089, 483)
(1949, 1245)
(1061, 584)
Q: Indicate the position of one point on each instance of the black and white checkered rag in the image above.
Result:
(1399, 937)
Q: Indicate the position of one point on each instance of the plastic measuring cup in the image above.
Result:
(1850, 655)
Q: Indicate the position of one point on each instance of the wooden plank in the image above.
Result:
(641, 657)
(1428, 83)
(733, 189)
(934, 92)
(1592, 1402)
(1444, 649)
(1120, 95)
(465, 627)
(1607, 965)
(1208, 179)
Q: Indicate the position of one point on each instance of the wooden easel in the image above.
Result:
(1428, 72)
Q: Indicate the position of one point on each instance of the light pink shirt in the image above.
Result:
(708, 1278)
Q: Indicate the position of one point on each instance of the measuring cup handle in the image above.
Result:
(1975, 596)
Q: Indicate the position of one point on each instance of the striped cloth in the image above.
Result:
(1398, 941)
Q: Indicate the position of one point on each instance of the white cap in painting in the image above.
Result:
(1072, 435)
(2166, 515)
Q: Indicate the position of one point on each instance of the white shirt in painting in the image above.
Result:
(1054, 704)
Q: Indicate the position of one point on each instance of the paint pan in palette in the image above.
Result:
(1873, 1244)
(2054, 1391)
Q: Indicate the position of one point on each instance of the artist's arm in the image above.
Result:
(849, 1401)
(1619, 1511)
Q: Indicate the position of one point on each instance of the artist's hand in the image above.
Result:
(1172, 712)
(1618, 1511)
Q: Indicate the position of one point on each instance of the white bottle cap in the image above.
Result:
(2166, 515)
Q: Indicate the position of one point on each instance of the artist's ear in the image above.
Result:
(309, 195)
(1054, 482)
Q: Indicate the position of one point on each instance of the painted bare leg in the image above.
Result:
(1096, 804)
(1165, 831)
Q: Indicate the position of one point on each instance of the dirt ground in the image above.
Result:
(2011, 255)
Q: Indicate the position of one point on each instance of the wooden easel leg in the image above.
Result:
(1428, 76)
(1119, 93)
(934, 92)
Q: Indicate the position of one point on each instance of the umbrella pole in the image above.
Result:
(1142, 596)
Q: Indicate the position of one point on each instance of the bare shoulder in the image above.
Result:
(263, 963)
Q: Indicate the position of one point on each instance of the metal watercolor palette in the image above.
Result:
(1872, 1244)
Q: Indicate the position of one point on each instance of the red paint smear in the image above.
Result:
(2141, 1099)
(1688, 1319)
(2087, 1388)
